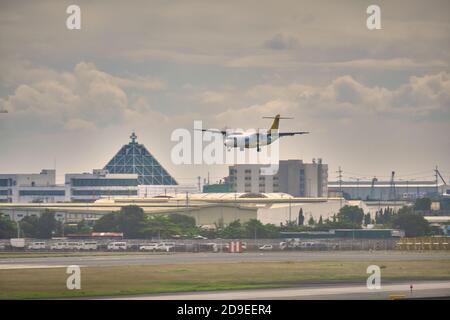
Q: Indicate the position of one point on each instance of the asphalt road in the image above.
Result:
(182, 258)
(400, 290)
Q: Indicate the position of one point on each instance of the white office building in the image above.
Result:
(88, 187)
(33, 187)
(293, 177)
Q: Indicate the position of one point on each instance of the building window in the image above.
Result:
(42, 193)
(104, 182)
(104, 192)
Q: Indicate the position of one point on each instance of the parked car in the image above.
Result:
(37, 246)
(2, 246)
(149, 246)
(117, 246)
(165, 246)
(59, 246)
(266, 247)
(74, 245)
(89, 245)
(200, 237)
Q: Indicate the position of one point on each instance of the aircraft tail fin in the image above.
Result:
(276, 121)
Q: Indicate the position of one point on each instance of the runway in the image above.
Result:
(183, 258)
(398, 290)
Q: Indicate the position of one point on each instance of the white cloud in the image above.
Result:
(83, 98)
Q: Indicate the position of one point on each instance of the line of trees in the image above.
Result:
(134, 223)
(8, 228)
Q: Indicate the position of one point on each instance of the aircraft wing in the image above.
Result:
(286, 134)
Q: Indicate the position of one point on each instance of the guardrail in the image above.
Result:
(424, 243)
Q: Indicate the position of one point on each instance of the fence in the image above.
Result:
(424, 243)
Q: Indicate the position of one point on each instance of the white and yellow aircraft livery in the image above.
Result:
(254, 138)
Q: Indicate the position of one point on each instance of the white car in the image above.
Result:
(91, 245)
(74, 245)
(59, 246)
(149, 247)
(2, 246)
(36, 246)
(266, 247)
(117, 246)
(200, 237)
(165, 247)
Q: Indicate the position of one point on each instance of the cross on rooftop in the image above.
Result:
(133, 137)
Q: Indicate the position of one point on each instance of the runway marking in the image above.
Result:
(28, 266)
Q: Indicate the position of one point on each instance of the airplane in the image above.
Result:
(254, 139)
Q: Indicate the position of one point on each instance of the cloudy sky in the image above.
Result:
(374, 101)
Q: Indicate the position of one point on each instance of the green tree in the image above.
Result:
(183, 221)
(301, 217)
(8, 228)
(234, 230)
(107, 223)
(28, 226)
(412, 223)
(255, 229)
(160, 226)
(367, 219)
(131, 220)
(320, 223)
(311, 221)
(46, 225)
(351, 214)
(83, 227)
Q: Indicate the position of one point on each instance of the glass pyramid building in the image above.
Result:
(135, 158)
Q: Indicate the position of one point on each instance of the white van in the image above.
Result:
(117, 246)
(37, 246)
(89, 245)
(59, 246)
